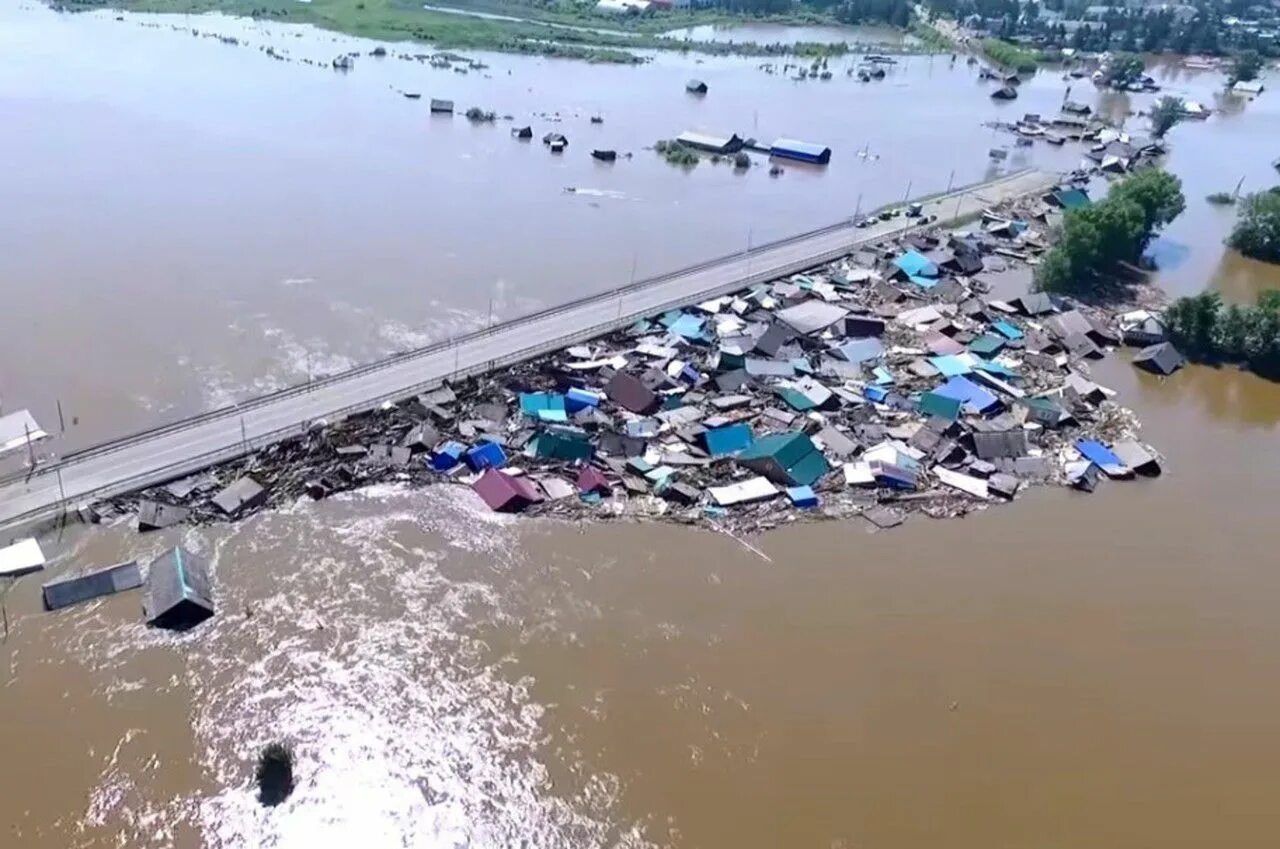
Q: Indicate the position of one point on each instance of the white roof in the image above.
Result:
(962, 482)
(753, 489)
(858, 474)
(14, 429)
(1250, 87)
(20, 558)
(812, 315)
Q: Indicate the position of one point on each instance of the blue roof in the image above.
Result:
(963, 389)
(486, 455)
(875, 393)
(446, 456)
(728, 439)
(688, 325)
(950, 365)
(916, 264)
(802, 496)
(1100, 455)
(922, 282)
(576, 399)
(795, 146)
(1007, 330)
(882, 376)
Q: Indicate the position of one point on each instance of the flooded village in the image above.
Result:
(603, 591)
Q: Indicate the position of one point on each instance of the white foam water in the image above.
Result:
(339, 632)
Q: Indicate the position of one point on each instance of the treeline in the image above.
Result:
(893, 12)
(1149, 30)
(1095, 240)
(1205, 330)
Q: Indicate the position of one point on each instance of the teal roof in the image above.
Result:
(1072, 199)
(987, 345)
(795, 399)
(950, 365)
(932, 404)
(1006, 330)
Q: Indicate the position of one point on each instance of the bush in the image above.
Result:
(479, 116)
(1221, 198)
(274, 774)
(676, 153)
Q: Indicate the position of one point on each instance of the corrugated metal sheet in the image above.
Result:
(22, 557)
(753, 489)
(800, 150)
(179, 593)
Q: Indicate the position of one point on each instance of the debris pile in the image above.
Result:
(881, 384)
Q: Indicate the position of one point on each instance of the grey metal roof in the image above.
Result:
(178, 590)
(1001, 443)
(73, 589)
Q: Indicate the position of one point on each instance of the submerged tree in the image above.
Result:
(274, 774)
(1246, 67)
(1257, 230)
(1167, 112)
(1096, 239)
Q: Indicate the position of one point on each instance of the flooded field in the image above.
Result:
(766, 33)
(191, 222)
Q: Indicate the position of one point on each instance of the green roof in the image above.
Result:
(1072, 199)
(987, 345)
(932, 404)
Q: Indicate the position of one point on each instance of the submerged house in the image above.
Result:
(695, 87)
(179, 595)
(74, 589)
(444, 107)
(709, 143)
(800, 151)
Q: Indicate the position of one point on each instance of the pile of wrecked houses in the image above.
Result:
(1110, 151)
(876, 385)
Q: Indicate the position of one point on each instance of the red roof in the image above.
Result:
(506, 493)
(590, 479)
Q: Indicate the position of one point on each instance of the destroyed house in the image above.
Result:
(178, 591)
(74, 589)
(788, 459)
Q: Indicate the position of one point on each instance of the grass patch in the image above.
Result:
(1011, 55)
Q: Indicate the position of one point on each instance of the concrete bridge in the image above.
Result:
(184, 447)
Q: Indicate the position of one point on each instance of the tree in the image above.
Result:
(1165, 114)
(1158, 193)
(1093, 240)
(1257, 230)
(1247, 65)
(1125, 68)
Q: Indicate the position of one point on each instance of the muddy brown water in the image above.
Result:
(1069, 670)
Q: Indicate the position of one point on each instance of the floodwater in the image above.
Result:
(188, 222)
(767, 33)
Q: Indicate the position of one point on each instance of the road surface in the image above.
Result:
(165, 453)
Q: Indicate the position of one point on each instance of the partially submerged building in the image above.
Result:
(800, 151)
(179, 594)
(710, 143)
(74, 589)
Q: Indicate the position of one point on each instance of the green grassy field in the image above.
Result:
(564, 28)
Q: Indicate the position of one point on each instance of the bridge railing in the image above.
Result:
(239, 409)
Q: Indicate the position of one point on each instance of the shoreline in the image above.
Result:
(457, 28)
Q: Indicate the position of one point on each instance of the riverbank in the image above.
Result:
(504, 28)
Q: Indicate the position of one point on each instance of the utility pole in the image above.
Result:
(62, 492)
(244, 435)
(490, 324)
(950, 180)
(31, 448)
(62, 423)
(907, 195)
